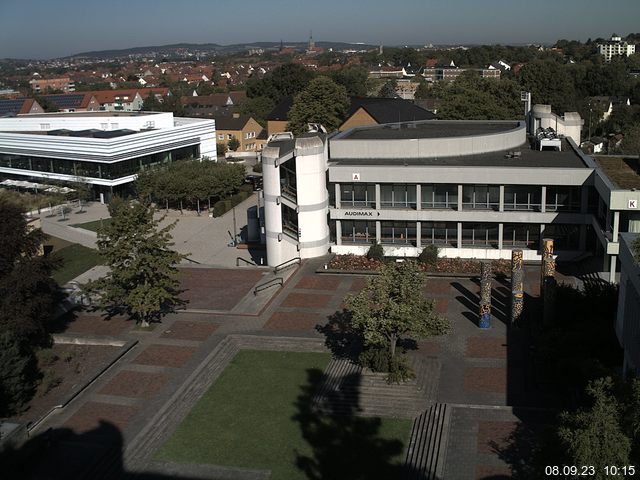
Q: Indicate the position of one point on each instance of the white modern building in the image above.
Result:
(475, 189)
(104, 149)
(615, 47)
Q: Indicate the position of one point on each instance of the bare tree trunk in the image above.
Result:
(167, 203)
(181, 207)
(209, 203)
(392, 346)
(198, 202)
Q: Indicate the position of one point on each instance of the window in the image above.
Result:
(444, 233)
(525, 197)
(357, 195)
(229, 136)
(402, 233)
(563, 199)
(481, 197)
(521, 235)
(104, 126)
(440, 196)
(358, 231)
(114, 126)
(398, 196)
(288, 180)
(565, 237)
(479, 234)
(221, 137)
(45, 126)
(290, 221)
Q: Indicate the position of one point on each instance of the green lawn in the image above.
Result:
(93, 226)
(77, 260)
(257, 416)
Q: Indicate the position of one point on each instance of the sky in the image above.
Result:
(55, 28)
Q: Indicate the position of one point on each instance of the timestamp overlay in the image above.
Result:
(588, 471)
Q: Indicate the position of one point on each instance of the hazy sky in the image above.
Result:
(53, 28)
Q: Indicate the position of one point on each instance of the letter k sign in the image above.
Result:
(633, 203)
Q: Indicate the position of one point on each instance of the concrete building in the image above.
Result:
(42, 85)
(628, 318)
(473, 189)
(103, 149)
(615, 47)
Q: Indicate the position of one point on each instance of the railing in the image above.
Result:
(271, 283)
(248, 262)
(192, 261)
(287, 264)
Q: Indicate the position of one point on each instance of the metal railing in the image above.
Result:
(271, 283)
(248, 262)
(287, 264)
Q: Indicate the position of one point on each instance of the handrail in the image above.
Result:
(286, 264)
(192, 261)
(248, 262)
(271, 283)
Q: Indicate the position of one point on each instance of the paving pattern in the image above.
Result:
(476, 376)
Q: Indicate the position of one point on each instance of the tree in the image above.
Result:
(258, 108)
(17, 373)
(28, 294)
(287, 79)
(550, 84)
(354, 79)
(83, 191)
(233, 144)
(393, 306)
(631, 141)
(592, 436)
(423, 91)
(388, 90)
(151, 103)
(322, 101)
(142, 280)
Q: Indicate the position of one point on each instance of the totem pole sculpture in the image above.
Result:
(517, 286)
(548, 287)
(485, 295)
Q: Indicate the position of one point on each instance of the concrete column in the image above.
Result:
(501, 204)
(418, 197)
(337, 195)
(378, 200)
(459, 198)
(338, 232)
(543, 200)
(418, 235)
(584, 199)
(500, 234)
(541, 235)
(616, 225)
(605, 263)
(459, 234)
(582, 240)
(612, 269)
(607, 221)
(378, 230)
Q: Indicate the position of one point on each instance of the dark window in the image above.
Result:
(563, 199)
(357, 195)
(403, 233)
(358, 231)
(565, 237)
(398, 196)
(521, 235)
(522, 197)
(481, 197)
(440, 196)
(439, 233)
(480, 234)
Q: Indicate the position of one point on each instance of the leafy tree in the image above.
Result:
(233, 144)
(151, 103)
(142, 280)
(322, 101)
(83, 192)
(221, 148)
(287, 79)
(28, 294)
(631, 141)
(17, 373)
(258, 108)
(375, 252)
(549, 83)
(592, 436)
(422, 91)
(388, 90)
(354, 79)
(392, 306)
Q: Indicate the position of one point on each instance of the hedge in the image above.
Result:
(223, 206)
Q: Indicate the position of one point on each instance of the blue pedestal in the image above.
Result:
(485, 321)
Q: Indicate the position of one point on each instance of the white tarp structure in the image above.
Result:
(35, 186)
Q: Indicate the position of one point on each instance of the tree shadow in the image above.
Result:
(62, 454)
(344, 446)
(340, 338)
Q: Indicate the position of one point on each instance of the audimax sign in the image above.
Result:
(359, 213)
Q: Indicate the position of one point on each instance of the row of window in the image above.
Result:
(445, 234)
(108, 171)
(474, 197)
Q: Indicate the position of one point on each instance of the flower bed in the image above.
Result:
(443, 265)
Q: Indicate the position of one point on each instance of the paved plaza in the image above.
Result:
(482, 376)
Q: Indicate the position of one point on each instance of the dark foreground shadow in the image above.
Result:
(344, 446)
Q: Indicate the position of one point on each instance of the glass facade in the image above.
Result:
(522, 197)
(358, 231)
(289, 221)
(521, 235)
(108, 171)
(288, 184)
(398, 233)
(565, 237)
(358, 195)
(398, 196)
(481, 197)
(434, 233)
(480, 235)
(563, 199)
(439, 196)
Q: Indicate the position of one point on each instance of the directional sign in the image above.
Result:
(632, 204)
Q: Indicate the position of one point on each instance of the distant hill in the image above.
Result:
(211, 48)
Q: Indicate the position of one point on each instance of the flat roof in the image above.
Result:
(101, 113)
(567, 158)
(622, 171)
(428, 129)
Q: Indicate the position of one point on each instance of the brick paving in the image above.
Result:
(165, 355)
(474, 366)
(93, 323)
(494, 435)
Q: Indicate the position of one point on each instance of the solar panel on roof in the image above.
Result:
(10, 107)
(66, 101)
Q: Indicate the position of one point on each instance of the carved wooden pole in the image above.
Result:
(517, 286)
(485, 295)
(548, 287)
(547, 252)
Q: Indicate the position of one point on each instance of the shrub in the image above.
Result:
(399, 371)
(247, 187)
(429, 255)
(50, 381)
(375, 358)
(18, 372)
(376, 252)
(257, 168)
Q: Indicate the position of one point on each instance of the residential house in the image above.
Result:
(242, 127)
(607, 104)
(19, 106)
(74, 102)
(42, 85)
(212, 105)
(615, 47)
(365, 111)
